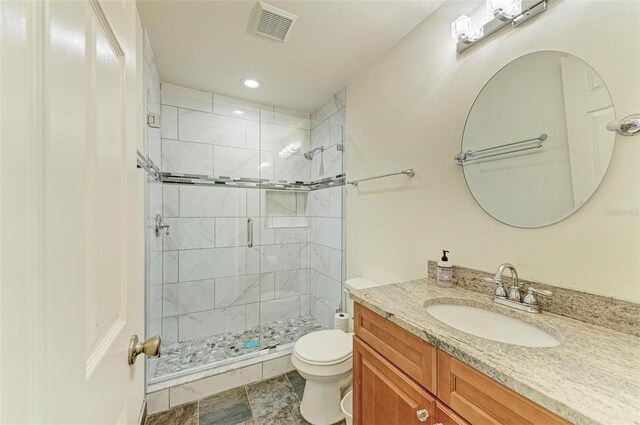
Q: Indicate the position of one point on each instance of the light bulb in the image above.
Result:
(251, 83)
(461, 27)
(507, 8)
(476, 34)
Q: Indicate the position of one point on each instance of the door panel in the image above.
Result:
(588, 109)
(390, 396)
(106, 274)
(84, 211)
(409, 353)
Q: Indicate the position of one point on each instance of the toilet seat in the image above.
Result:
(324, 348)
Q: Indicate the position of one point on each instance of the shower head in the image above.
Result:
(309, 155)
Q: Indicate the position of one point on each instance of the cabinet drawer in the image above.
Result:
(481, 400)
(409, 353)
(384, 395)
(446, 416)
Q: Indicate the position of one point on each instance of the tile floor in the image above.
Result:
(272, 402)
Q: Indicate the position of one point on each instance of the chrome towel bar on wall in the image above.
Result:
(409, 172)
(471, 155)
(627, 126)
(143, 161)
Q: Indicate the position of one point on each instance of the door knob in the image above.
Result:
(150, 347)
(422, 415)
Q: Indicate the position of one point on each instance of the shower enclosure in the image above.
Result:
(244, 233)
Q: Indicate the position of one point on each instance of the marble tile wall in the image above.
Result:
(211, 134)
(326, 211)
(206, 279)
(212, 282)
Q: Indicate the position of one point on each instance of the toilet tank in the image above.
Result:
(356, 284)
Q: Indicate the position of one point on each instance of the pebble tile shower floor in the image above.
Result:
(205, 351)
(272, 402)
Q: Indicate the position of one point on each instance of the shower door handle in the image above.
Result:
(250, 232)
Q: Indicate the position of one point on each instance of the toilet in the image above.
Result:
(324, 359)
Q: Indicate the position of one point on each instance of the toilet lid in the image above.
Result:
(325, 347)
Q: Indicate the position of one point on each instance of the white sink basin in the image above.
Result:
(490, 325)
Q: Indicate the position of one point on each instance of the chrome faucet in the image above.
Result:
(159, 225)
(514, 299)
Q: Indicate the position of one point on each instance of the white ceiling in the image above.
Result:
(208, 45)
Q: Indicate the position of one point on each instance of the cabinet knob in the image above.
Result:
(422, 415)
(439, 423)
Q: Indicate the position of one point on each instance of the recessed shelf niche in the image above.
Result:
(286, 209)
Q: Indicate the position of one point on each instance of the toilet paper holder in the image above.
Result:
(341, 321)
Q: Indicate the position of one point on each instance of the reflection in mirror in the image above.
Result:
(535, 145)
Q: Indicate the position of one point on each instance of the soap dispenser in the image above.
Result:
(445, 270)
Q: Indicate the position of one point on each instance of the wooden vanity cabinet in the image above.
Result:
(383, 394)
(446, 416)
(481, 400)
(397, 378)
(406, 351)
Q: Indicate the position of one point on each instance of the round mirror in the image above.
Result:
(535, 145)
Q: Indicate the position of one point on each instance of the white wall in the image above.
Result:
(409, 110)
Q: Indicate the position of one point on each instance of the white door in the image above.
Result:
(71, 199)
(588, 109)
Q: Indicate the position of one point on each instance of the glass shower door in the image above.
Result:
(285, 227)
(253, 259)
(153, 208)
(153, 266)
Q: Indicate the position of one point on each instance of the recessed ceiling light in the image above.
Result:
(251, 83)
(238, 112)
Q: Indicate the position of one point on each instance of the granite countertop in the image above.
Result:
(592, 377)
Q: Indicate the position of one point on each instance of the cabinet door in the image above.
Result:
(384, 395)
(446, 416)
(481, 400)
(407, 352)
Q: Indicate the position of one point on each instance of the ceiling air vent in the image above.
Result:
(273, 22)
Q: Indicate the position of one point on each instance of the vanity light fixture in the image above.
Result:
(461, 29)
(503, 13)
(505, 10)
(251, 83)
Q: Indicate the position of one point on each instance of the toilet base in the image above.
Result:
(321, 400)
